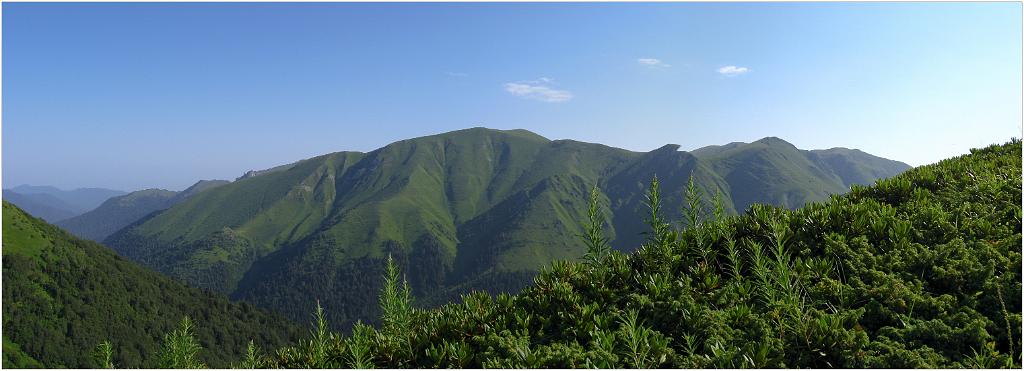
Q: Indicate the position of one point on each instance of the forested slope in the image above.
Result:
(62, 296)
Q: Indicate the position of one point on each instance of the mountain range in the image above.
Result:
(120, 211)
(54, 204)
(475, 209)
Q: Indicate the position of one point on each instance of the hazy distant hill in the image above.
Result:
(41, 205)
(62, 296)
(78, 200)
(118, 212)
(475, 208)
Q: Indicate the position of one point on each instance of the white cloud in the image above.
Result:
(538, 89)
(731, 71)
(653, 62)
(456, 74)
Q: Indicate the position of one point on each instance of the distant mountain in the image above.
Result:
(62, 296)
(80, 199)
(854, 166)
(41, 205)
(118, 212)
(470, 209)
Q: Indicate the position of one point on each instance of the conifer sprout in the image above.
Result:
(253, 357)
(357, 346)
(661, 236)
(104, 355)
(653, 202)
(735, 260)
(396, 311)
(694, 204)
(180, 348)
(594, 238)
(719, 204)
(320, 337)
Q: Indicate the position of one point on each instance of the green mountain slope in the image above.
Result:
(475, 208)
(118, 212)
(921, 270)
(62, 296)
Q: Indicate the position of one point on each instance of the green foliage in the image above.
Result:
(644, 348)
(397, 314)
(253, 357)
(320, 341)
(919, 271)
(593, 236)
(15, 357)
(104, 355)
(358, 347)
(694, 206)
(62, 296)
(180, 348)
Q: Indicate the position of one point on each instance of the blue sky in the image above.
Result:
(133, 96)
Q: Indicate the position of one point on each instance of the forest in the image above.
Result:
(920, 270)
(63, 295)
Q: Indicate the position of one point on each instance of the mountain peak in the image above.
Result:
(773, 141)
(668, 148)
(480, 130)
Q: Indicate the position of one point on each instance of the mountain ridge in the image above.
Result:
(460, 206)
(121, 211)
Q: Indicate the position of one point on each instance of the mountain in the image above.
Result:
(920, 271)
(120, 211)
(42, 205)
(62, 296)
(854, 166)
(80, 199)
(471, 209)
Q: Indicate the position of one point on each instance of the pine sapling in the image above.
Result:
(320, 337)
(253, 357)
(180, 348)
(593, 237)
(357, 347)
(694, 204)
(396, 311)
(104, 355)
(661, 235)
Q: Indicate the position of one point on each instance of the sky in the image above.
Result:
(160, 95)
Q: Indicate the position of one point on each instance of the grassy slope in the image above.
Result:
(62, 296)
(922, 270)
(120, 211)
(116, 213)
(489, 206)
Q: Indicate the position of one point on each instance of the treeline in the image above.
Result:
(922, 270)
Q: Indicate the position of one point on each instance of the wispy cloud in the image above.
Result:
(540, 89)
(653, 62)
(456, 74)
(731, 71)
